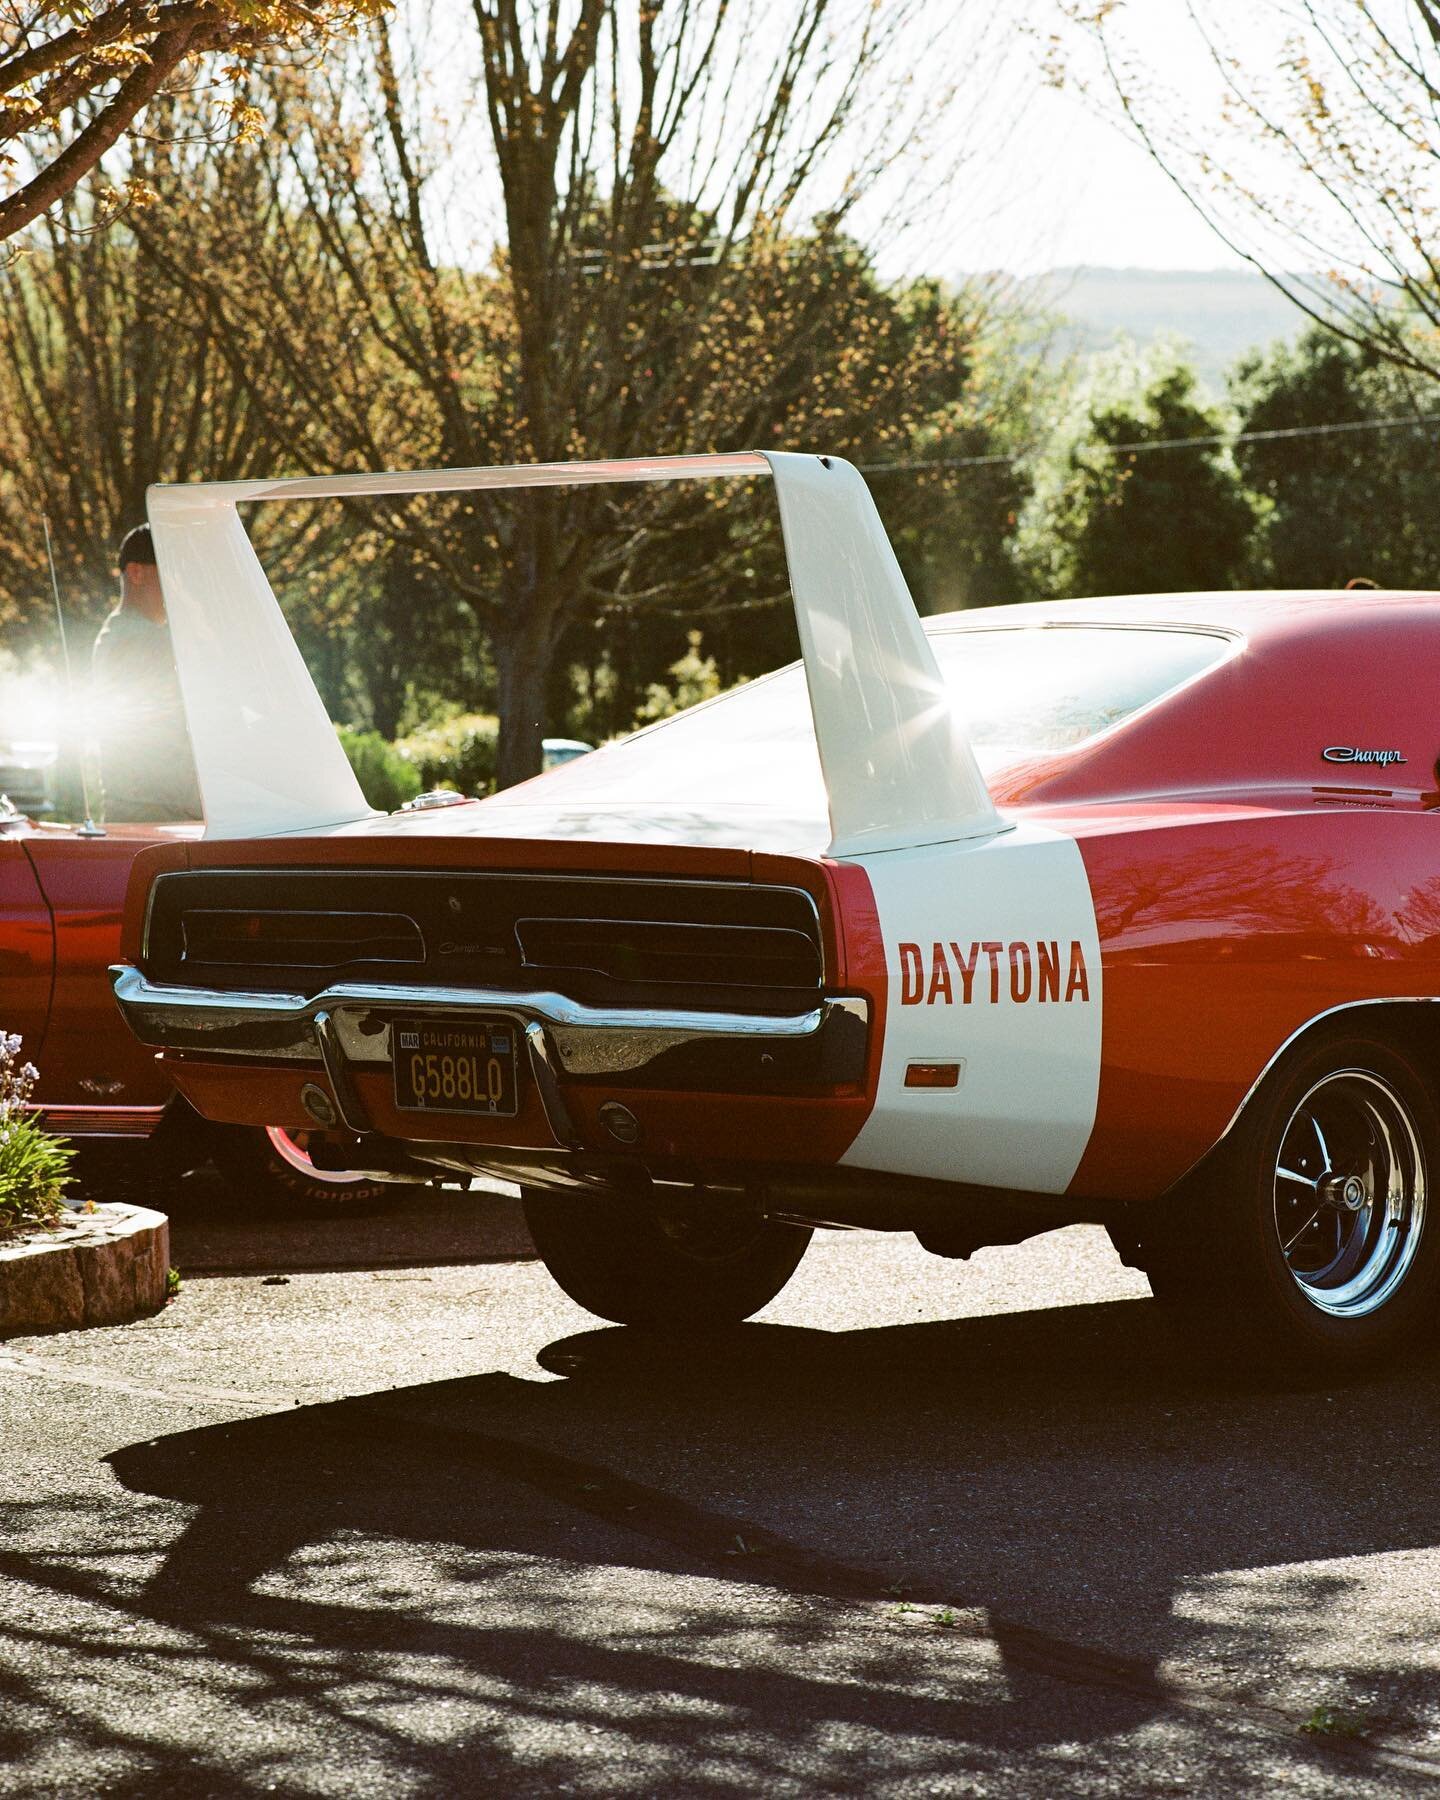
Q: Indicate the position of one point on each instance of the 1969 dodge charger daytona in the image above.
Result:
(1123, 911)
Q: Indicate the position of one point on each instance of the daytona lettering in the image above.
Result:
(987, 970)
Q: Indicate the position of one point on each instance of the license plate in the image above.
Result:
(465, 1068)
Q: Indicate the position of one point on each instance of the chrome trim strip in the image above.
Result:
(584, 1040)
(150, 913)
(570, 877)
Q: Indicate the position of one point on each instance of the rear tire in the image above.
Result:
(270, 1168)
(109, 1173)
(140, 1171)
(624, 1264)
(1309, 1247)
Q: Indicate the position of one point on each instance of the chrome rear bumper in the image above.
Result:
(348, 1025)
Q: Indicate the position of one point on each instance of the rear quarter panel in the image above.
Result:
(1112, 984)
(1221, 937)
(994, 968)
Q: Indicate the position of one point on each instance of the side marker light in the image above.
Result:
(933, 1074)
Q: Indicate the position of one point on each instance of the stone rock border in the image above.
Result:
(91, 1268)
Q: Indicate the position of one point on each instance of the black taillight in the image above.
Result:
(298, 940)
(644, 951)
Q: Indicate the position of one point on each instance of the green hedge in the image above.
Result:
(387, 778)
(454, 753)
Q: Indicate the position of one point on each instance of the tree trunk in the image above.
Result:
(522, 669)
(387, 694)
(526, 629)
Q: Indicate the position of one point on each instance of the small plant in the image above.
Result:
(1333, 1721)
(947, 1618)
(34, 1165)
(173, 1284)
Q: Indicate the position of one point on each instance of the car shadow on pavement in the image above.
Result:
(787, 1559)
(213, 1232)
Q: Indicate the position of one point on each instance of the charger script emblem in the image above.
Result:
(1346, 753)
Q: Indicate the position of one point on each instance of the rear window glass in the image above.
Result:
(1043, 688)
(1022, 691)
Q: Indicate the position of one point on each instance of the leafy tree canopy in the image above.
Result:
(75, 78)
(1340, 504)
(678, 274)
(1117, 512)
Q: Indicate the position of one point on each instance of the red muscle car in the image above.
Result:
(62, 892)
(1123, 911)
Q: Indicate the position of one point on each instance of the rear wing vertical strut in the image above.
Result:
(898, 767)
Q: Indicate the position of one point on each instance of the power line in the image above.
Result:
(1212, 441)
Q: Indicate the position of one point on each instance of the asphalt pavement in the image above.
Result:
(372, 1509)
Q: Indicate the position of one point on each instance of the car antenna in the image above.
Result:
(89, 829)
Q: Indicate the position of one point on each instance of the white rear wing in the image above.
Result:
(898, 767)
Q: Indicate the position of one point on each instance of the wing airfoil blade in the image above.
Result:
(898, 768)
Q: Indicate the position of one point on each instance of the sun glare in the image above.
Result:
(37, 711)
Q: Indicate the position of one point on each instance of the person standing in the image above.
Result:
(146, 764)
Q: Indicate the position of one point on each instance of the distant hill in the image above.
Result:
(1220, 312)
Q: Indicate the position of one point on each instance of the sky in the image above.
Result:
(1028, 176)
(1046, 180)
(1084, 193)
(1072, 186)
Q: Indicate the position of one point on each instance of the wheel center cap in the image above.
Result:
(1345, 1192)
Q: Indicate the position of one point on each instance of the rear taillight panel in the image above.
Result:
(601, 940)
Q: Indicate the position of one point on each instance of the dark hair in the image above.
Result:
(136, 547)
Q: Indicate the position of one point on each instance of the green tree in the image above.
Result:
(677, 182)
(954, 522)
(111, 380)
(1341, 504)
(1119, 512)
(948, 385)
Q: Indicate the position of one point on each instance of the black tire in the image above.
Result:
(622, 1263)
(144, 1171)
(108, 1173)
(1310, 1245)
(275, 1176)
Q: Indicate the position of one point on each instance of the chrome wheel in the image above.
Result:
(1350, 1193)
(290, 1147)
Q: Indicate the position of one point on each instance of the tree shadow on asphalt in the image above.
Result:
(734, 1557)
